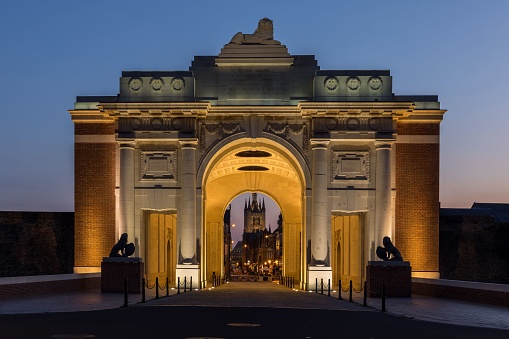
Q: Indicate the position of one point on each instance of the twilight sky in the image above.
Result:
(53, 51)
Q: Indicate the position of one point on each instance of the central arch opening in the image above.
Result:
(253, 222)
(264, 167)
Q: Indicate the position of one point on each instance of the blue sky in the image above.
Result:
(53, 51)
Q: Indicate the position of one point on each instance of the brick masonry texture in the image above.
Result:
(94, 194)
(418, 129)
(474, 248)
(417, 199)
(36, 243)
(94, 129)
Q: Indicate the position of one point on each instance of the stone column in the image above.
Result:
(188, 203)
(319, 212)
(126, 189)
(383, 221)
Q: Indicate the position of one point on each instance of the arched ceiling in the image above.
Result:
(230, 175)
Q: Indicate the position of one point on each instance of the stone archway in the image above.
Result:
(245, 166)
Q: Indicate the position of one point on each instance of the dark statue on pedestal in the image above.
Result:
(123, 247)
(389, 252)
(263, 35)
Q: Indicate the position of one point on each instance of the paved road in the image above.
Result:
(236, 311)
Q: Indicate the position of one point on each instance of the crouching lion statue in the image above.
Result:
(264, 35)
(389, 252)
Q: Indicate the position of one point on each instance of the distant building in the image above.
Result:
(261, 247)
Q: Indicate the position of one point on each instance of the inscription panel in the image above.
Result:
(158, 165)
(240, 83)
(350, 166)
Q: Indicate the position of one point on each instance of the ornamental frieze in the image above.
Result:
(375, 124)
(220, 130)
(285, 130)
(156, 124)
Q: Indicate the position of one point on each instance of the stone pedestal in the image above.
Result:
(190, 273)
(114, 271)
(317, 274)
(397, 276)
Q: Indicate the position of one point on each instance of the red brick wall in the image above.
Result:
(417, 198)
(94, 194)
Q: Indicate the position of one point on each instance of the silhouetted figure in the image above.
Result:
(263, 35)
(389, 252)
(123, 247)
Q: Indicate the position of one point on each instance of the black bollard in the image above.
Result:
(339, 289)
(190, 284)
(293, 282)
(328, 286)
(185, 284)
(178, 285)
(383, 297)
(142, 290)
(167, 288)
(321, 286)
(350, 298)
(157, 287)
(316, 285)
(126, 285)
(365, 293)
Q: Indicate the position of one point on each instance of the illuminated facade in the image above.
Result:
(347, 161)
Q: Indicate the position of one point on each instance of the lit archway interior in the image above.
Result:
(263, 167)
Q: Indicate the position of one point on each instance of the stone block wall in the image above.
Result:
(397, 280)
(113, 275)
(36, 243)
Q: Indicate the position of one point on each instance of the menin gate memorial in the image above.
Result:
(349, 162)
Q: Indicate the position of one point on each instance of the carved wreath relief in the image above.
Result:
(375, 83)
(177, 84)
(156, 84)
(350, 166)
(158, 165)
(331, 83)
(353, 83)
(135, 84)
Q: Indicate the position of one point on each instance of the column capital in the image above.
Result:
(188, 143)
(384, 144)
(126, 143)
(319, 143)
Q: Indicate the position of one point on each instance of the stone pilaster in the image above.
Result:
(383, 220)
(188, 203)
(319, 212)
(126, 190)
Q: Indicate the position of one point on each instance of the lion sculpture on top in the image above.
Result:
(264, 35)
